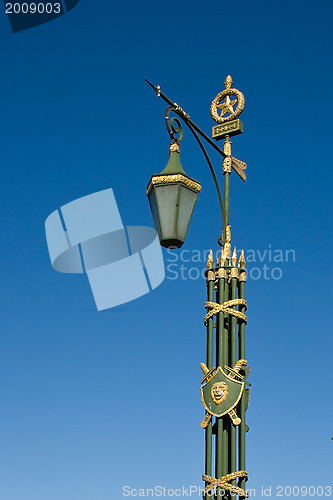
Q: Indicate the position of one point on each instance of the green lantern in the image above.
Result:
(172, 195)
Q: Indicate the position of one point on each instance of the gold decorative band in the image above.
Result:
(165, 179)
(242, 275)
(226, 307)
(223, 483)
(233, 272)
(175, 147)
(227, 165)
(210, 275)
(221, 273)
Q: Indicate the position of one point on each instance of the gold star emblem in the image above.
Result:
(227, 106)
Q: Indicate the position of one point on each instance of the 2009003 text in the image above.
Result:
(295, 491)
(33, 8)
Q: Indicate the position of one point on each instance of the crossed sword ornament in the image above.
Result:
(233, 373)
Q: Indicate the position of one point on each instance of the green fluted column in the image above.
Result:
(221, 465)
(226, 202)
(226, 419)
(241, 354)
(209, 363)
(233, 359)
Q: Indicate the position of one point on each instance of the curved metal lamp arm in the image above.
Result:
(211, 169)
(194, 128)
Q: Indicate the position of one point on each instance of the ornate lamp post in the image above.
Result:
(225, 391)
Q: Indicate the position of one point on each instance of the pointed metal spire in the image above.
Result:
(228, 82)
(157, 89)
(234, 258)
(242, 262)
(210, 260)
(221, 258)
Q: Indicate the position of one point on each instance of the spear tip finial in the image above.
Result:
(234, 258)
(228, 82)
(157, 89)
(242, 262)
(210, 260)
(222, 257)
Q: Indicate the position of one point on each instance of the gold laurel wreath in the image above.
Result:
(240, 105)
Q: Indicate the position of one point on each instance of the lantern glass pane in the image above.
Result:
(167, 203)
(154, 211)
(187, 201)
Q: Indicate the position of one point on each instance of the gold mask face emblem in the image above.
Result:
(219, 392)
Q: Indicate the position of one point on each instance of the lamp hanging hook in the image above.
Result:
(173, 126)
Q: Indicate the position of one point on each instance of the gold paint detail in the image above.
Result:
(227, 246)
(234, 273)
(242, 277)
(228, 233)
(227, 162)
(206, 420)
(221, 273)
(219, 392)
(228, 105)
(232, 374)
(226, 307)
(239, 365)
(227, 147)
(221, 258)
(175, 147)
(204, 368)
(227, 165)
(181, 111)
(210, 260)
(210, 275)
(234, 270)
(208, 376)
(234, 258)
(224, 483)
(173, 178)
(234, 417)
(228, 82)
(242, 262)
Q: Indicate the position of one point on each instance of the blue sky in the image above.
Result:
(95, 401)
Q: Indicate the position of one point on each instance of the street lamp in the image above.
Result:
(172, 194)
(224, 391)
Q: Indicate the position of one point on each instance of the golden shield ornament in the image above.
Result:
(222, 391)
